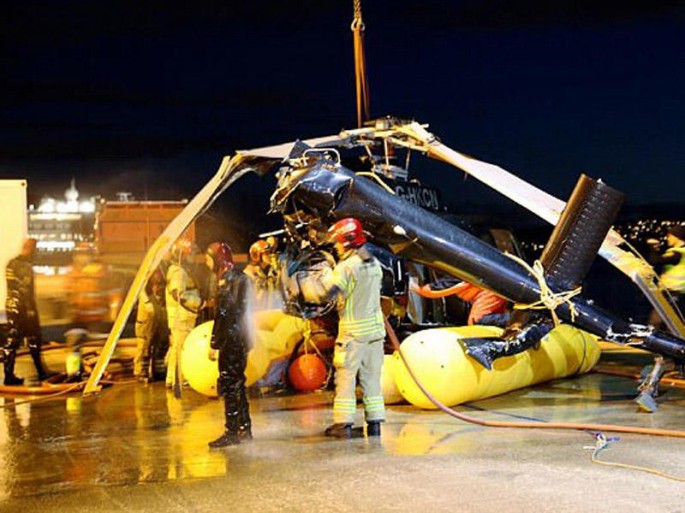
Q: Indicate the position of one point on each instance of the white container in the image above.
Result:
(13, 229)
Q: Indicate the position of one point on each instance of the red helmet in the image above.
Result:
(222, 256)
(183, 248)
(257, 250)
(348, 232)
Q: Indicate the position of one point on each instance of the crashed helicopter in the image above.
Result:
(313, 184)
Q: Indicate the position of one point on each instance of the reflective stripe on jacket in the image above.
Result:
(359, 297)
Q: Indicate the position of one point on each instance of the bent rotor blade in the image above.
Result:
(549, 208)
(281, 151)
(229, 171)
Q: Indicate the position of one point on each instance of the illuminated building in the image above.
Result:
(58, 225)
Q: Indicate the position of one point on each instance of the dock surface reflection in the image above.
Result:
(136, 448)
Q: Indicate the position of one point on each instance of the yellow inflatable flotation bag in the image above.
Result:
(443, 368)
(275, 336)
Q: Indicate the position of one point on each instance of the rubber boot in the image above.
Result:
(373, 428)
(10, 377)
(36, 356)
(225, 440)
(230, 436)
(141, 368)
(339, 430)
(244, 421)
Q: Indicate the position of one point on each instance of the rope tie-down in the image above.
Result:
(549, 300)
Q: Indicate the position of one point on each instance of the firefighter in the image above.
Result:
(74, 338)
(183, 301)
(263, 273)
(230, 337)
(22, 314)
(485, 307)
(151, 325)
(253, 269)
(206, 283)
(355, 282)
(673, 274)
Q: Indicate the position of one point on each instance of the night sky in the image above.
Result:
(147, 96)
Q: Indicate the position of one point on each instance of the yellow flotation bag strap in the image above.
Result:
(357, 28)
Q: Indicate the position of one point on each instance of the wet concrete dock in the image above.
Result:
(136, 448)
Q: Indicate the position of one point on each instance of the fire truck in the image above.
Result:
(103, 270)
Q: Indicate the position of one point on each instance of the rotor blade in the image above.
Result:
(549, 208)
(281, 151)
(229, 171)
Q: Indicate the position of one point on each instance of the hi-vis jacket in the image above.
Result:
(358, 280)
(674, 276)
(180, 284)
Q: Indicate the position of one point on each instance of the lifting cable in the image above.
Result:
(357, 27)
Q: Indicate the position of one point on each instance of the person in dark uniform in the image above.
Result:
(230, 337)
(206, 284)
(22, 314)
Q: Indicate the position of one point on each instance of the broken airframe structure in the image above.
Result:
(332, 191)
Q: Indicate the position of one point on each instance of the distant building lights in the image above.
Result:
(55, 245)
(87, 207)
(71, 205)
